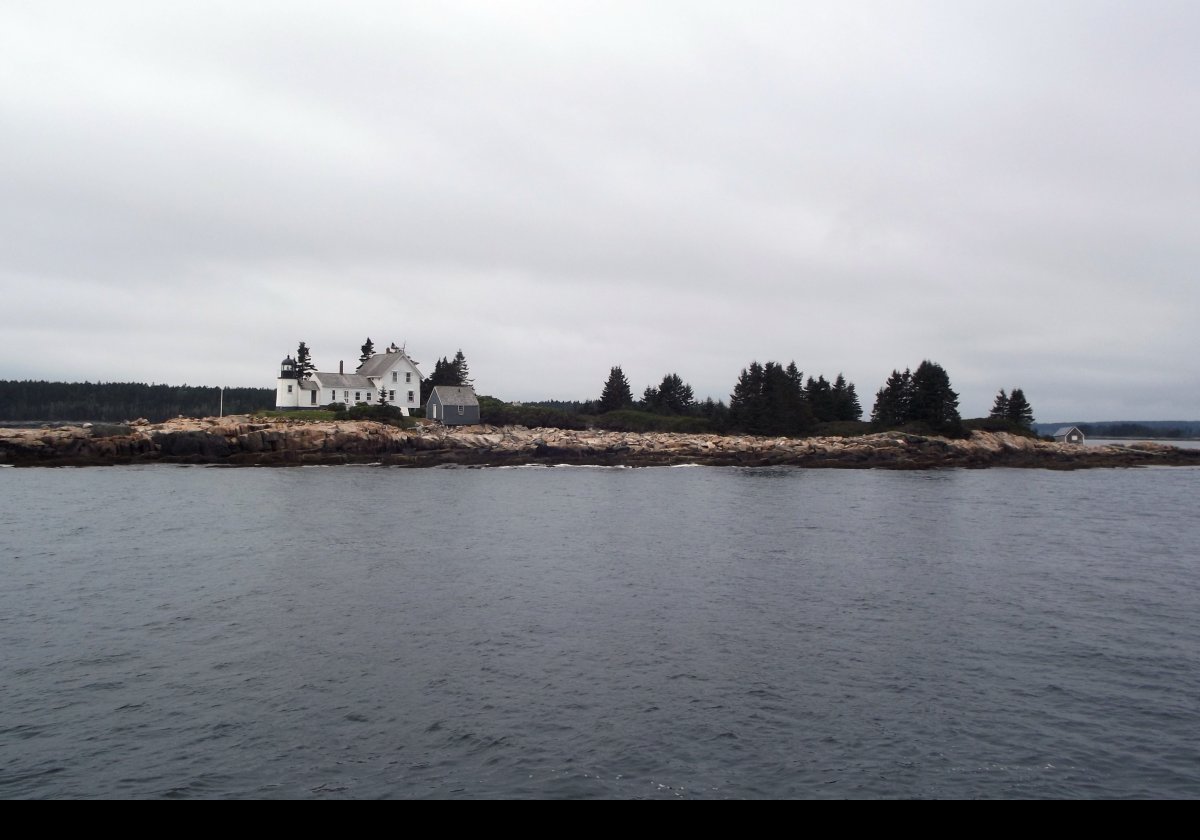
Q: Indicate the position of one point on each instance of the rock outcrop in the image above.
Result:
(241, 441)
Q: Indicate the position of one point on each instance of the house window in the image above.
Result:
(358, 396)
(412, 396)
(346, 396)
(394, 375)
(289, 389)
(313, 397)
(392, 396)
(407, 378)
(462, 409)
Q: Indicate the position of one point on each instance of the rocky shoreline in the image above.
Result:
(245, 441)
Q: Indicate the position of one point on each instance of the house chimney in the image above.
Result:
(342, 367)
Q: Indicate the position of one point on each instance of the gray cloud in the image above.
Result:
(1008, 188)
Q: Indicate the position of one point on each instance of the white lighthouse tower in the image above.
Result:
(287, 386)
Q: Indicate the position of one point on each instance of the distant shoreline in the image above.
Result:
(241, 441)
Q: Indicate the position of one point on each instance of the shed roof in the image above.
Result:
(1066, 430)
(455, 395)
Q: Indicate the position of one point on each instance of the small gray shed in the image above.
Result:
(1068, 434)
(453, 406)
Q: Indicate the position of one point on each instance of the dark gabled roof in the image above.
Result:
(380, 363)
(1066, 430)
(453, 395)
(343, 380)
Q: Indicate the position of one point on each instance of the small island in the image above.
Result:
(254, 441)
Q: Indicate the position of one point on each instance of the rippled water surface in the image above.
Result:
(692, 632)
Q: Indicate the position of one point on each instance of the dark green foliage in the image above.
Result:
(368, 350)
(819, 394)
(631, 420)
(715, 413)
(461, 371)
(497, 413)
(1019, 411)
(390, 414)
(997, 424)
(843, 428)
(769, 400)
(830, 403)
(120, 401)
(934, 402)
(304, 362)
(892, 401)
(922, 402)
(1000, 407)
(672, 397)
(616, 394)
(319, 415)
(336, 407)
(1013, 408)
(453, 372)
(383, 394)
(845, 402)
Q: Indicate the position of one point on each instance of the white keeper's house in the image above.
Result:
(391, 370)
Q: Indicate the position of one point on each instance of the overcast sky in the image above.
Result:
(1009, 188)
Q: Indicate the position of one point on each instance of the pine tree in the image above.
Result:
(462, 373)
(893, 401)
(746, 401)
(383, 394)
(304, 364)
(845, 400)
(368, 350)
(820, 399)
(1019, 410)
(674, 395)
(650, 400)
(933, 401)
(1000, 406)
(770, 400)
(616, 394)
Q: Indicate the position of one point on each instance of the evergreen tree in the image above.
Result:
(462, 373)
(368, 350)
(674, 395)
(788, 411)
(746, 401)
(716, 413)
(893, 400)
(1000, 407)
(446, 372)
(770, 400)
(650, 399)
(616, 394)
(383, 396)
(845, 400)
(304, 364)
(933, 401)
(819, 394)
(1019, 410)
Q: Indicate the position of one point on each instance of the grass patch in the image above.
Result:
(316, 414)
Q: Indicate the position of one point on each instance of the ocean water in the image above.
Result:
(355, 632)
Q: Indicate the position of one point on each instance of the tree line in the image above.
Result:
(114, 402)
(777, 399)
